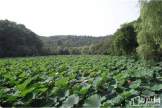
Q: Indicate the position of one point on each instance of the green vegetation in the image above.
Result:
(68, 44)
(146, 32)
(124, 40)
(82, 81)
(17, 40)
(142, 38)
(150, 34)
(76, 81)
(70, 40)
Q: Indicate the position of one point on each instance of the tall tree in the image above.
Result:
(150, 34)
(124, 40)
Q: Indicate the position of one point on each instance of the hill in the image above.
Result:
(70, 44)
(70, 40)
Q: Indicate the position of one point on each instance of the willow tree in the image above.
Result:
(150, 36)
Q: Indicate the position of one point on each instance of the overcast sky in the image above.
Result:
(70, 17)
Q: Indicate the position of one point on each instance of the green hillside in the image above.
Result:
(71, 41)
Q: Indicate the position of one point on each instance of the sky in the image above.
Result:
(70, 17)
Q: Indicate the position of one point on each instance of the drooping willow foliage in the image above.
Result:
(150, 36)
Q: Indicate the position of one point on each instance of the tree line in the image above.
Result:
(17, 40)
(71, 44)
(142, 37)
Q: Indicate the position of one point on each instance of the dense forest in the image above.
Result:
(74, 44)
(142, 38)
(17, 40)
